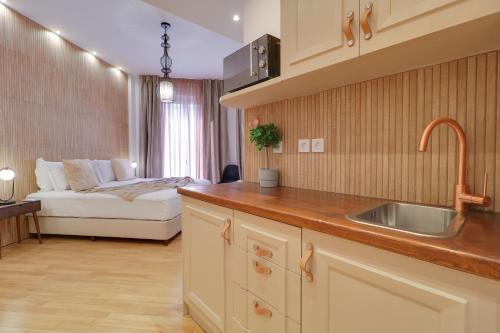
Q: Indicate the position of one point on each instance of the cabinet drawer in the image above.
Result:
(259, 321)
(274, 322)
(278, 287)
(273, 241)
(267, 281)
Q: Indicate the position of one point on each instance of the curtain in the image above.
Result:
(212, 114)
(184, 133)
(152, 130)
(238, 142)
(221, 132)
(200, 137)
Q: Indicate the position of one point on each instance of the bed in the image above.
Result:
(153, 215)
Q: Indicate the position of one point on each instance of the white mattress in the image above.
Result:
(159, 206)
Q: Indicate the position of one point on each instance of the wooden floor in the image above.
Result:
(75, 285)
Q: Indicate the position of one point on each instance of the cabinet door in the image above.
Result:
(347, 295)
(205, 257)
(312, 34)
(396, 21)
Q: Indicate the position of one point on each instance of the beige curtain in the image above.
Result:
(221, 132)
(152, 130)
(193, 136)
(184, 133)
(212, 114)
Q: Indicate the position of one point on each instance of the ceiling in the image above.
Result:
(127, 33)
(215, 15)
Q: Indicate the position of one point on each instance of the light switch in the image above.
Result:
(279, 149)
(318, 145)
(304, 145)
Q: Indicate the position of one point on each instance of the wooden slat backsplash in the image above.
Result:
(56, 101)
(372, 130)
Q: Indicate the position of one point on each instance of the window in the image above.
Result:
(183, 130)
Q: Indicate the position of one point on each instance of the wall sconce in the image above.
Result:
(6, 175)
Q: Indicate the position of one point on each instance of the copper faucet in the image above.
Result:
(462, 195)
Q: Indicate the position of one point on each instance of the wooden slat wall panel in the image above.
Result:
(56, 101)
(372, 130)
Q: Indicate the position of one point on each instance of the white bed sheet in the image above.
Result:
(159, 206)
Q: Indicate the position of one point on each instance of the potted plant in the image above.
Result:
(266, 136)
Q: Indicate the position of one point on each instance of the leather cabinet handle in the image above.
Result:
(346, 27)
(225, 230)
(304, 262)
(365, 25)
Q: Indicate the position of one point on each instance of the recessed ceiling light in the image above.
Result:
(119, 67)
(58, 32)
(236, 18)
(94, 53)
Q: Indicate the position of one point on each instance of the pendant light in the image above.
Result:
(166, 88)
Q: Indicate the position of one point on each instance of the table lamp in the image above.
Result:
(134, 166)
(6, 175)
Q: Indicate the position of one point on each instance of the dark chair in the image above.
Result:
(231, 173)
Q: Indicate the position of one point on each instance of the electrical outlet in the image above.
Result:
(304, 145)
(279, 149)
(318, 145)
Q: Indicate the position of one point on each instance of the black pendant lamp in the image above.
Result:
(166, 88)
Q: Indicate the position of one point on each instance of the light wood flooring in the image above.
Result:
(75, 285)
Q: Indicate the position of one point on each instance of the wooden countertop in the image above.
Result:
(475, 249)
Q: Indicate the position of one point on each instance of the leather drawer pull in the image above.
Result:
(262, 252)
(260, 311)
(261, 269)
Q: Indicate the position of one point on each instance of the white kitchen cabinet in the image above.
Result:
(315, 33)
(270, 240)
(247, 280)
(396, 21)
(312, 34)
(206, 238)
(265, 257)
(357, 288)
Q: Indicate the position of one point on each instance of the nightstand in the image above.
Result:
(21, 208)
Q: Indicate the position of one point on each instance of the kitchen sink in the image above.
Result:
(415, 219)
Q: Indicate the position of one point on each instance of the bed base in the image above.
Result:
(120, 228)
(165, 242)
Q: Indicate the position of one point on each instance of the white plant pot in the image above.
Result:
(268, 177)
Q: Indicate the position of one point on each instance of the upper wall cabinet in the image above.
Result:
(330, 43)
(317, 33)
(385, 23)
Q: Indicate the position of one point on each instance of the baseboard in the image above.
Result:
(200, 319)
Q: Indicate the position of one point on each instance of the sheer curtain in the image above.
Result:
(201, 136)
(184, 130)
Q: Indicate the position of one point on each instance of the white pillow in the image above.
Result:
(123, 170)
(105, 172)
(58, 178)
(80, 174)
(42, 174)
(95, 166)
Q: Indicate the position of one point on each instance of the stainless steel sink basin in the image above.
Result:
(415, 219)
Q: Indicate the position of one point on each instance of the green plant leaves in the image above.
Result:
(265, 136)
